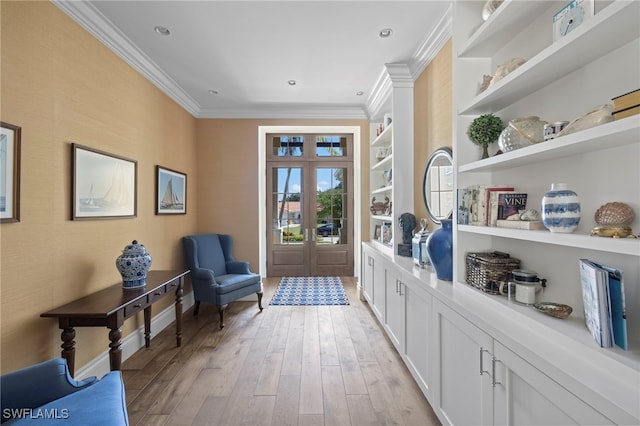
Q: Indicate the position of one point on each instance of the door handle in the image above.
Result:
(313, 234)
(306, 234)
(493, 371)
(482, 370)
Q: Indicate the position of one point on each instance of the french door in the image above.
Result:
(310, 205)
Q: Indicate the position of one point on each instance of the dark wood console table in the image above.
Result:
(111, 306)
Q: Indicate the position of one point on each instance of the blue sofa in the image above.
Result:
(46, 394)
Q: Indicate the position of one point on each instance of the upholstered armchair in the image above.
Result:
(218, 278)
(46, 394)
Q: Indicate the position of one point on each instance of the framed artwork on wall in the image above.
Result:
(171, 191)
(104, 186)
(9, 172)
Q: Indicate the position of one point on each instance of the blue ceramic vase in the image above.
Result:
(560, 209)
(440, 250)
(133, 264)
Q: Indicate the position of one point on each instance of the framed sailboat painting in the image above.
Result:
(104, 185)
(171, 191)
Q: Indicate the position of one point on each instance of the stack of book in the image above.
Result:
(604, 305)
(626, 105)
(494, 205)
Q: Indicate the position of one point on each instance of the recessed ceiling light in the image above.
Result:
(291, 82)
(359, 93)
(213, 92)
(162, 30)
(385, 32)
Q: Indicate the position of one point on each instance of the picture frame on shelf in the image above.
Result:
(171, 191)
(571, 16)
(104, 185)
(10, 140)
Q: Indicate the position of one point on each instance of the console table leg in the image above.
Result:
(147, 326)
(115, 353)
(179, 293)
(68, 347)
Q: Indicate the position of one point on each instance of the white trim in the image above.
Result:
(262, 183)
(99, 366)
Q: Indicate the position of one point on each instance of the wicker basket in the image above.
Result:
(488, 270)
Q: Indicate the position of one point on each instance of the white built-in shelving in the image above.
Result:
(396, 139)
(560, 80)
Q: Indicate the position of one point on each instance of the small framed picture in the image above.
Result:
(171, 191)
(571, 16)
(377, 234)
(9, 172)
(104, 186)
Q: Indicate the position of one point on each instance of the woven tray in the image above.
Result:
(488, 270)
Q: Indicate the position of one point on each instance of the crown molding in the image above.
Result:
(286, 112)
(432, 44)
(379, 100)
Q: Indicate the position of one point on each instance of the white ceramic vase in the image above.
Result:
(560, 209)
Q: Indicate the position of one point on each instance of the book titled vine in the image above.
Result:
(511, 203)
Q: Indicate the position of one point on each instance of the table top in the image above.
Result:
(107, 301)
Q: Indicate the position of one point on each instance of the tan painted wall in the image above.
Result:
(432, 118)
(61, 85)
(228, 177)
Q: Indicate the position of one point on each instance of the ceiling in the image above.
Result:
(234, 59)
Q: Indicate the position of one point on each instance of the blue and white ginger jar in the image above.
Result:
(560, 209)
(133, 264)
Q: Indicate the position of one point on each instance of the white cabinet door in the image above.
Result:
(379, 280)
(366, 286)
(526, 396)
(394, 320)
(463, 395)
(418, 338)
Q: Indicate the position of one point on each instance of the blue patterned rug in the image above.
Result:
(309, 291)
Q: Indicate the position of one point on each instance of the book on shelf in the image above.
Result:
(627, 112)
(479, 204)
(464, 205)
(604, 304)
(492, 202)
(492, 205)
(627, 100)
(510, 204)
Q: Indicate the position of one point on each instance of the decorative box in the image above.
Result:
(490, 271)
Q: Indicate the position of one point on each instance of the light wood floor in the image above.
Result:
(314, 365)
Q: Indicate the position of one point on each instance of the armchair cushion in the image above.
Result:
(46, 394)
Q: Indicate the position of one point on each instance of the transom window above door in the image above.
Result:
(311, 146)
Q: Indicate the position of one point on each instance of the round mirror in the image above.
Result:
(437, 186)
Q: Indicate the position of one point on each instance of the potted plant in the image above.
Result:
(485, 130)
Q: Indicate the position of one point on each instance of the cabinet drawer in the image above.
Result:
(135, 307)
(157, 294)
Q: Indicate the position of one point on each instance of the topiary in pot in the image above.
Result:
(485, 130)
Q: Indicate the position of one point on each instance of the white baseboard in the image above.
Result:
(99, 366)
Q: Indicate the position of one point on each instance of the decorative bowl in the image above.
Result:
(521, 132)
(556, 310)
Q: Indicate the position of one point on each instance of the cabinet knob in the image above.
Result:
(137, 305)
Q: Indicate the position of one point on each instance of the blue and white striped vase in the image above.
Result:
(560, 209)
